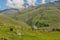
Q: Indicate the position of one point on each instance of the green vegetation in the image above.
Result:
(45, 17)
(6, 23)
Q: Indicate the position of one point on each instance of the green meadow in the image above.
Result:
(18, 25)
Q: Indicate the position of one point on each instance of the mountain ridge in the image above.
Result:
(37, 23)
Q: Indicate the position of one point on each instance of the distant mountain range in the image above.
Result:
(37, 23)
(14, 10)
(26, 4)
(43, 14)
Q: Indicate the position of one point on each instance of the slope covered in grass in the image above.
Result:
(43, 14)
(10, 12)
(40, 16)
(6, 23)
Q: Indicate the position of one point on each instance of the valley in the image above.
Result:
(37, 23)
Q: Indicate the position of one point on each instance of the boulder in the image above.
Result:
(19, 33)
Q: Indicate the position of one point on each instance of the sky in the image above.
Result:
(5, 4)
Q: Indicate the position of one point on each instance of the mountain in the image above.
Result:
(44, 14)
(38, 2)
(10, 12)
(9, 27)
(21, 4)
(30, 15)
(45, 17)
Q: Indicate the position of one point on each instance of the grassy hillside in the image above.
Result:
(46, 14)
(43, 14)
(10, 12)
(6, 23)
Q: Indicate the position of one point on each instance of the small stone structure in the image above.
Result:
(34, 27)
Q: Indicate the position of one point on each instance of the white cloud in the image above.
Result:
(31, 2)
(15, 3)
(10, 4)
(43, 1)
(19, 3)
(53, 0)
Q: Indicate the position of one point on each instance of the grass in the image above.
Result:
(6, 23)
(28, 34)
(42, 36)
(23, 22)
